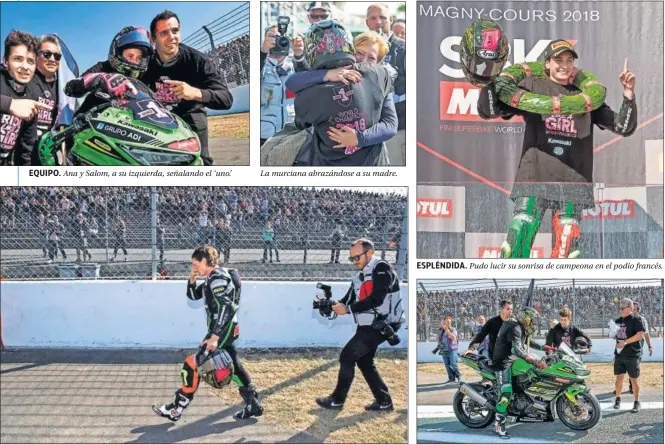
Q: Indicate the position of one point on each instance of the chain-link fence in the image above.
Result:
(226, 41)
(592, 302)
(274, 233)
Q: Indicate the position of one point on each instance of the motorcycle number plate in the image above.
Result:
(150, 111)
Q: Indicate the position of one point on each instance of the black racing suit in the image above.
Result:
(361, 348)
(510, 342)
(556, 165)
(568, 335)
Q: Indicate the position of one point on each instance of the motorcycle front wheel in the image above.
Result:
(584, 417)
(470, 413)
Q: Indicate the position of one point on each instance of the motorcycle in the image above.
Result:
(558, 391)
(134, 130)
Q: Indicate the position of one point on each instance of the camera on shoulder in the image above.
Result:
(282, 42)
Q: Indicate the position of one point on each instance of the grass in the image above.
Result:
(288, 384)
(233, 126)
(651, 373)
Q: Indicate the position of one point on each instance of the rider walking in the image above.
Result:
(510, 342)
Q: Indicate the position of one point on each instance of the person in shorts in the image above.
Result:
(628, 351)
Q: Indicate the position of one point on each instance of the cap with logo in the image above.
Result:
(318, 5)
(557, 47)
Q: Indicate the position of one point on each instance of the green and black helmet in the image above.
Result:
(526, 317)
(329, 45)
(483, 51)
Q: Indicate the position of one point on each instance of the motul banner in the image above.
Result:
(458, 148)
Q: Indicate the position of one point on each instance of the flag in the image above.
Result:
(68, 70)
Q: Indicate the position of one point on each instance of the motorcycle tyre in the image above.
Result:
(457, 408)
(560, 404)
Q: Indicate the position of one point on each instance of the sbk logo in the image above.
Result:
(611, 209)
(435, 208)
(495, 252)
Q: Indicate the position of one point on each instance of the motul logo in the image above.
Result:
(495, 252)
(441, 208)
(611, 209)
(459, 101)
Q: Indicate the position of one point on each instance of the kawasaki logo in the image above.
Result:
(140, 128)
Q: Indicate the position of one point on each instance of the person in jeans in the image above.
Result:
(269, 242)
(447, 348)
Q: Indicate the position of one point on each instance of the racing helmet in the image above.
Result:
(484, 50)
(581, 342)
(526, 317)
(216, 368)
(329, 45)
(130, 37)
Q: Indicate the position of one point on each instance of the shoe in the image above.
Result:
(636, 407)
(386, 406)
(168, 411)
(252, 405)
(500, 427)
(617, 404)
(450, 381)
(329, 403)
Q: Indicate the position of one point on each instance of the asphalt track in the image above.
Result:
(229, 152)
(81, 396)
(437, 422)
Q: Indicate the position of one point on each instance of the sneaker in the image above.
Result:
(329, 403)
(168, 411)
(636, 407)
(617, 404)
(386, 406)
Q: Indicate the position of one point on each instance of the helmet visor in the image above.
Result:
(138, 38)
(482, 68)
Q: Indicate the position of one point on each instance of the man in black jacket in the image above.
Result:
(17, 136)
(491, 328)
(44, 85)
(372, 297)
(184, 79)
(565, 332)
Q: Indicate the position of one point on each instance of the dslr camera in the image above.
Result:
(325, 305)
(387, 331)
(282, 42)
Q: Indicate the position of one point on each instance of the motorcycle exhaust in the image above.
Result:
(473, 394)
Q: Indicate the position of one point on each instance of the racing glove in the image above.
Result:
(115, 85)
(535, 360)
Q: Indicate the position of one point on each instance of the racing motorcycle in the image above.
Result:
(539, 395)
(134, 130)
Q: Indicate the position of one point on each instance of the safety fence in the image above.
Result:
(268, 233)
(593, 303)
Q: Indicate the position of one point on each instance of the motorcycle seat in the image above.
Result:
(485, 364)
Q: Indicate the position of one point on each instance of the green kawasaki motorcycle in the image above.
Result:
(136, 130)
(539, 395)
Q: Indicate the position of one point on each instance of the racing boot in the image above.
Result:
(252, 405)
(173, 411)
(500, 426)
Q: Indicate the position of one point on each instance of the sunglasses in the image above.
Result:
(357, 257)
(319, 16)
(48, 54)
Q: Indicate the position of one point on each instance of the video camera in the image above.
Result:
(282, 42)
(325, 305)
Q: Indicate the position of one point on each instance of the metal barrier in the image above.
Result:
(274, 233)
(592, 302)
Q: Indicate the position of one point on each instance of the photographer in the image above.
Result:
(373, 300)
(447, 348)
(276, 67)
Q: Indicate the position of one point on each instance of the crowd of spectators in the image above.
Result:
(593, 306)
(189, 216)
(233, 60)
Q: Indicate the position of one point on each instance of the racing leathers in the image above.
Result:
(221, 293)
(371, 299)
(556, 165)
(510, 342)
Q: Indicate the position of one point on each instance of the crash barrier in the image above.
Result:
(158, 314)
(602, 351)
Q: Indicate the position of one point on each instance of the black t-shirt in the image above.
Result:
(17, 137)
(334, 104)
(558, 334)
(197, 70)
(490, 329)
(44, 92)
(396, 57)
(629, 327)
(557, 151)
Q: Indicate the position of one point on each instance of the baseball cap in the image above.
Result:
(625, 303)
(556, 47)
(318, 5)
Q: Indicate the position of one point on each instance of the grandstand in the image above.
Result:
(178, 219)
(593, 302)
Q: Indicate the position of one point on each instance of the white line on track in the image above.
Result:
(446, 411)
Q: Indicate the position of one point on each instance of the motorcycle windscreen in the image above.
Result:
(148, 110)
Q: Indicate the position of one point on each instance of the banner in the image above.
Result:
(68, 70)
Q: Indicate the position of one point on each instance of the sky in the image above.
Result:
(87, 28)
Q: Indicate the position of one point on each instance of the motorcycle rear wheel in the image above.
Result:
(460, 407)
(593, 407)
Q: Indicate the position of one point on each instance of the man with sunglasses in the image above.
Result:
(44, 85)
(627, 352)
(317, 11)
(184, 79)
(372, 298)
